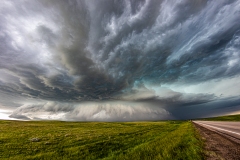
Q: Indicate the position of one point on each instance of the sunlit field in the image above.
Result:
(98, 140)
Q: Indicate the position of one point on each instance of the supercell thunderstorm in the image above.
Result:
(119, 60)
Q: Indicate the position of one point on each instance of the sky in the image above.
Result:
(119, 60)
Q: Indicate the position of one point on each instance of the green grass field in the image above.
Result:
(224, 118)
(99, 140)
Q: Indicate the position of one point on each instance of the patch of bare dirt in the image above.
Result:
(218, 147)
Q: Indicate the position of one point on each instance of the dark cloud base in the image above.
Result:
(119, 52)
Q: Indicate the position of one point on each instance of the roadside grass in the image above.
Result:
(99, 140)
(224, 118)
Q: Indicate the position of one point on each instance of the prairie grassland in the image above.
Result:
(99, 140)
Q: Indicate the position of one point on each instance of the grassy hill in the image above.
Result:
(99, 140)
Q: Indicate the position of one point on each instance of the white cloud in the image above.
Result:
(227, 87)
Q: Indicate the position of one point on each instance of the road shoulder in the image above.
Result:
(216, 146)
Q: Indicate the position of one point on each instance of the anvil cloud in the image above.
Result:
(101, 60)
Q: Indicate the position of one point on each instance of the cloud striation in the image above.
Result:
(119, 60)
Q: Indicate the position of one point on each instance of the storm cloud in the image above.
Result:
(119, 60)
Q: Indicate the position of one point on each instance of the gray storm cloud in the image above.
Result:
(119, 60)
(89, 112)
